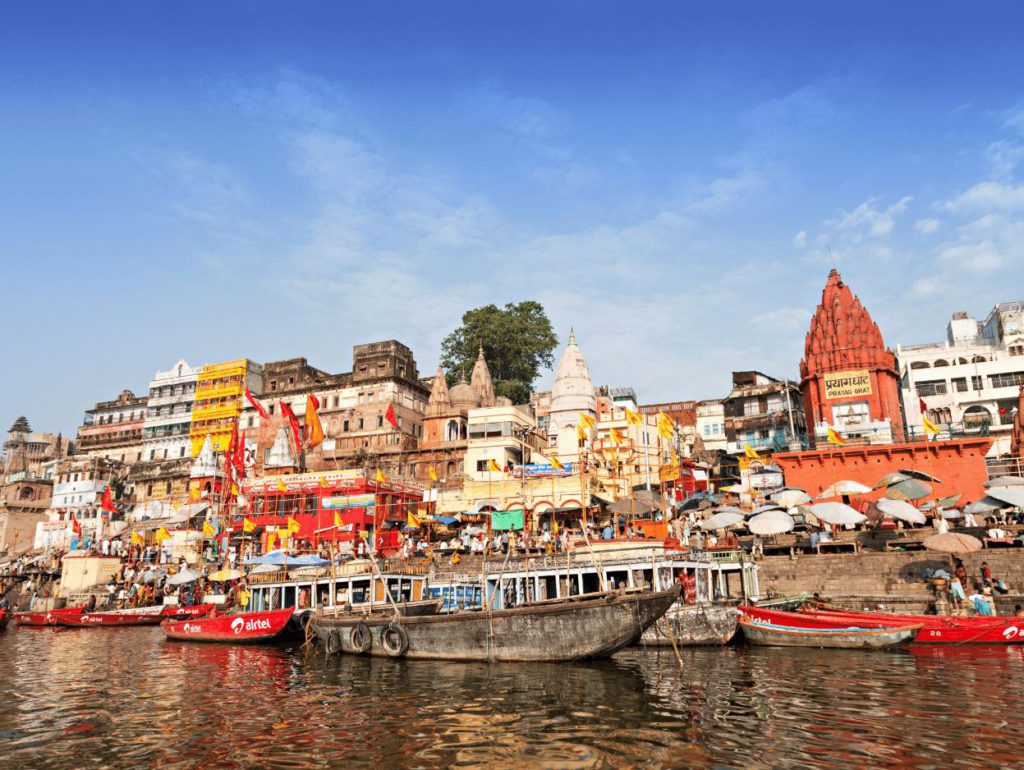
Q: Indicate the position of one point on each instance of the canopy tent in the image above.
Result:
(309, 560)
(279, 557)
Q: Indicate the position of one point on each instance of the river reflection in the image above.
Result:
(126, 698)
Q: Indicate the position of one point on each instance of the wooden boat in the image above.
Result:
(142, 616)
(848, 638)
(693, 625)
(405, 609)
(47, 618)
(178, 612)
(241, 628)
(937, 629)
(577, 628)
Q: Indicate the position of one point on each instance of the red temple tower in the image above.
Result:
(848, 376)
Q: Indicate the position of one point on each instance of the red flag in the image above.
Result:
(390, 416)
(922, 404)
(239, 458)
(316, 401)
(229, 455)
(107, 501)
(262, 410)
(293, 421)
(76, 527)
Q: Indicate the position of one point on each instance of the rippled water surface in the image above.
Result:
(127, 698)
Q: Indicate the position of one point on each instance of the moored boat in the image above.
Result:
(47, 618)
(241, 628)
(937, 629)
(576, 628)
(850, 637)
(693, 625)
(142, 616)
(5, 618)
(178, 612)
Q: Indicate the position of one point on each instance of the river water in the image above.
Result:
(127, 698)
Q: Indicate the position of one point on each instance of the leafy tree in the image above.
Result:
(517, 340)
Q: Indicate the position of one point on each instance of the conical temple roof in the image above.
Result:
(440, 401)
(573, 391)
(481, 381)
(20, 426)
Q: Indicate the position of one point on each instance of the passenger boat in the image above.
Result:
(47, 618)
(849, 638)
(242, 628)
(693, 625)
(576, 628)
(142, 616)
(938, 629)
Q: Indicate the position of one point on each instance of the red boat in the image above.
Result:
(243, 628)
(143, 616)
(5, 618)
(177, 612)
(48, 618)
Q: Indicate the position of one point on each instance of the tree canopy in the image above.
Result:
(517, 341)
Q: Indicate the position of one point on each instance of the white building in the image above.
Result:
(970, 382)
(711, 425)
(169, 413)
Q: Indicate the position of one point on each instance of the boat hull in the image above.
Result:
(697, 625)
(581, 628)
(5, 618)
(42, 619)
(175, 612)
(148, 616)
(851, 638)
(243, 628)
(938, 629)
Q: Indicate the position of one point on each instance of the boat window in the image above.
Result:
(289, 597)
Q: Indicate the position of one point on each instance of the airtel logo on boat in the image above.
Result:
(91, 619)
(239, 624)
(1011, 632)
(189, 628)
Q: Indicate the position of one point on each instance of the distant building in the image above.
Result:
(26, 485)
(219, 400)
(113, 429)
(764, 413)
(710, 425)
(969, 382)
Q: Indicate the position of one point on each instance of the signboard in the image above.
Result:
(535, 469)
(342, 503)
(849, 384)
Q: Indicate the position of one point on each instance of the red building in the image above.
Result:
(313, 499)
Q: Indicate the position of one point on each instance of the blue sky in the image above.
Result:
(215, 180)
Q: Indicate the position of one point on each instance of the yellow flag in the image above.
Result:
(248, 525)
(634, 418)
(835, 438)
(556, 464)
(271, 540)
(381, 478)
(750, 452)
(162, 534)
(337, 520)
(554, 527)
(493, 466)
(586, 421)
(208, 529)
(293, 525)
(433, 473)
(930, 427)
(411, 519)
(234, 489)
(281, 487)
(666, 426)
(616, 435)
(137, 539)
(581, 433)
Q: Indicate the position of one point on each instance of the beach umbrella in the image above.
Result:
(648, 499)
(262, 568)
(736, 489)
(1010, 495)
(180, 578)
(309, 560)
(844, 487)
(722, 520)
(837, 513)
(952, 542)
(910, 489)
(1005, 481)
(984, 505)
(891, 478)
(765, 508)
(900, 509)
(790, 498)
(225, 574)
(625, 506)
(771, 523)
(920, 475)
(944, 502)
(952, 513)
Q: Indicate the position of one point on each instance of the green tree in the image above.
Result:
(517, 340)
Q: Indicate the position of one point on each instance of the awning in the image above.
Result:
(507, 520)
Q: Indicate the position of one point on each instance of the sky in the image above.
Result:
(673, 180)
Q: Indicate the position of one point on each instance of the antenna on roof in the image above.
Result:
(831, 256)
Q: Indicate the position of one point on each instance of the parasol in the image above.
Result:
(900, 509)
(722, 520)
(952, 542)
(771, 523)
(944, 502)
(890, 478)
(952, 513)
(180, 578)
(908, 489)
(844, 487)
(984, 505)
(836, 513)
(765, 508)
(920, 475)
(638, 504)
(790, 498)
(1005, 481)
(1009, 495)
(225, 574)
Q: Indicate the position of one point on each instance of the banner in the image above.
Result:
(348, 501)
(541, 470)
(505, 520)
(847, 384)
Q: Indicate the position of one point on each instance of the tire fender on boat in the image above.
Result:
(394, 640)
(332, 644)
(361, 638)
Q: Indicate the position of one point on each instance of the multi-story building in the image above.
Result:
(684, 415)
(764, 413)
(27, 484)
(219, 400)
(969, 383)
(710, 425)
(113, 429)
(78, 485)
(168, 421)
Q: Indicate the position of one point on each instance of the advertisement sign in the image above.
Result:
(848, 384)
(540, 470)
(344, 502)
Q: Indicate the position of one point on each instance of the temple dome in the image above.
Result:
(463, 396)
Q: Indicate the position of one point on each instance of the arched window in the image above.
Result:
(918, 364)
(1016, 350)
(978, 360)
(451, 431)
(975, 416)
(941, 362)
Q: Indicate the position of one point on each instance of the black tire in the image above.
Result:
(332, 644)
(361, 638)
(394, 640)
(304, 619)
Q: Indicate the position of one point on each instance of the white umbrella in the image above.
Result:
(984, 505)
(180, 578)
(790, 498)
(771, 523)
(952, 513)
(1005, 481)
(844, 487)
(1014, 497)
(900, 509)
(766, 508)
(722, 520)
(836, 513)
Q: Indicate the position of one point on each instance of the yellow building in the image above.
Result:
(219, 400)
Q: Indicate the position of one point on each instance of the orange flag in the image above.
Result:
(314, 430)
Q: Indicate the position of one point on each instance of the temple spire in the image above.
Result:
(440, 401)
(481, 380)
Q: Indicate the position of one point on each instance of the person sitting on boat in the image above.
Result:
(607, 533)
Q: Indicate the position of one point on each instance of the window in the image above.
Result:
(931, 387)
(960, 384)
(344, 426)
(976, 382)
(359, 424)
(918, 364)
(152, 455)
(481, 466)
(380, 421)
(1008, 380)
(168, 487)
(181, 453)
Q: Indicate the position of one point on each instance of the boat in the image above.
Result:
(178, 612)
(849, 637)
(5, 618)
(142, 616)
(240, 628)
(47, 618)
(693, 625)
(937, 629)
(582, 627)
